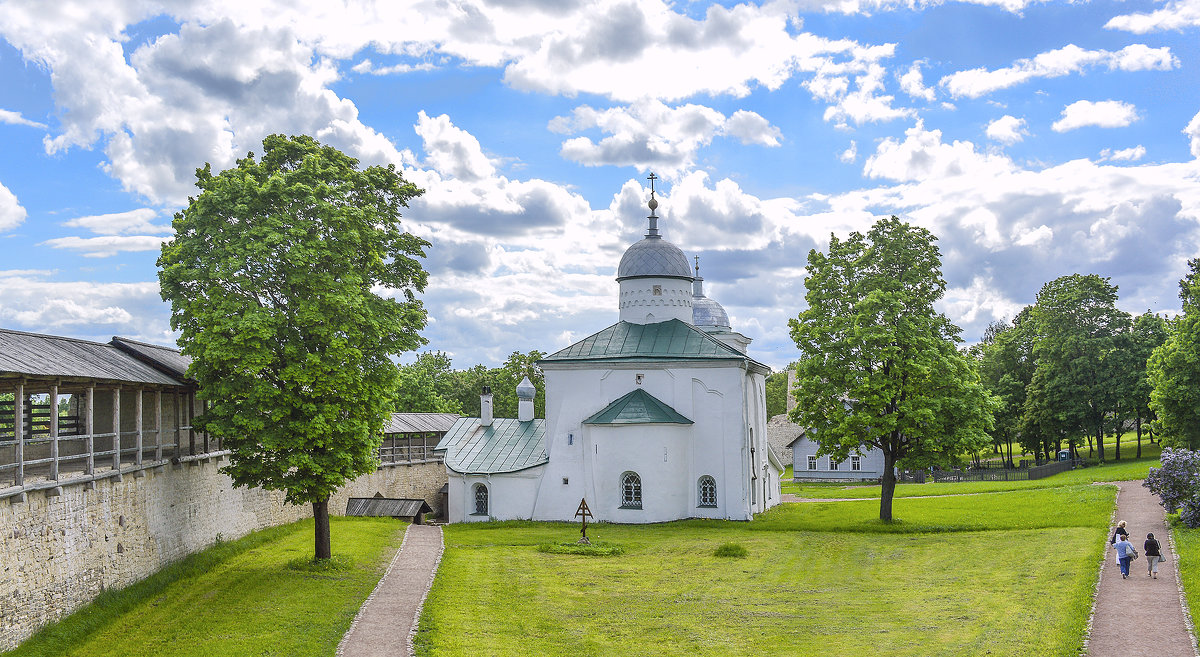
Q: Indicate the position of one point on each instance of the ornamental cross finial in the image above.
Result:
(697, 259)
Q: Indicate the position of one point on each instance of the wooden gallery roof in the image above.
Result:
(37, 356)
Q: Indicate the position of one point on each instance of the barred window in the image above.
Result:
(631, 491)
(481, 500)
(708, 491)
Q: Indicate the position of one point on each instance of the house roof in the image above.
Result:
(507, 445)
(386, 507)
(420, 422)
(669, 340)
(638, 407)
(37, 355)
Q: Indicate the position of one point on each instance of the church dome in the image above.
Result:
(525, 389)
(653, 257)
(706, 312)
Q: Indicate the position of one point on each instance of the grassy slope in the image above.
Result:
(952, 578)
(234, 599)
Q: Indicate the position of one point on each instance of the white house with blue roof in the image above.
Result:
(661, 416)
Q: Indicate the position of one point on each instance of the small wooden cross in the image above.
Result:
(583, 513)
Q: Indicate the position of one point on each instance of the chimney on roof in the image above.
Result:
(525, 395)
(485, 407)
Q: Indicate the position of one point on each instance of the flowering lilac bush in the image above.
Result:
(1177, 483)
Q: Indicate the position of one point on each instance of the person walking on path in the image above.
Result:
(1125, 554)
(1113, 631)
(1153, 555)
(1119, 531)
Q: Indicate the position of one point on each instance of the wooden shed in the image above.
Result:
(406, 509)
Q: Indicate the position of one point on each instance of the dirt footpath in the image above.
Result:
(1140, 616)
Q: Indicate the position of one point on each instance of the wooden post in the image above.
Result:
(19, 431)
(137, 405)
(89, 442)
(158, 424)
(54, 432)
(178, 423)
(116, 403)
(191, 413)
(207, 446)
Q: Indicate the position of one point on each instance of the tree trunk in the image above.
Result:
(321, 515)
(1008, 437)
(1091, 447)
(1117, 454)
(1100, 439)
(1139, 433)
(888, 488)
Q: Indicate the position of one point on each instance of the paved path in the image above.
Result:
(388, 619)
(1140, 616)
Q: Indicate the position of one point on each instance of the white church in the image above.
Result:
(661, 416)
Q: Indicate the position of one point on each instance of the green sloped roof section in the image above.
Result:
(638, 407)
(670, 340)
(507, 445)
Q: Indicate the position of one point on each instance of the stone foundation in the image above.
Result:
(59, 552)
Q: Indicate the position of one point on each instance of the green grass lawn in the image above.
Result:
(256, 596)
(954, 576)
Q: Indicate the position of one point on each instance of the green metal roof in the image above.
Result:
(669, 340)
(508, 445)
(638, 407)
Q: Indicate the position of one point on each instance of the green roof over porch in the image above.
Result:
(638, 407)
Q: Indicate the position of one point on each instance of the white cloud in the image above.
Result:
(913, 84)
(1178, 15)
(15, 118)
(923, 156)
(650, 134)
(30, 301)
(1102, 114)
(452, 150)
(1124, 155)
(368, 67)
(106, 246)
(1007, 130)
(850, 154)
(1070, 59)
(864, 104)
(1192, 131)
(120, 223)
(11, 212)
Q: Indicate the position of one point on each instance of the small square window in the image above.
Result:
(658, 290)
(565, 481)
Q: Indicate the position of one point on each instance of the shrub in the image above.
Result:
(1177, 484)
(733, 550)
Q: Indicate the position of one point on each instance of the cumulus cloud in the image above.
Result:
(1124, 155)
(923, 156)
(1102, 114)
(15, 118)
(1007, 130)
(30, 301)
(1176, 15)
(865, 104)
(850, 154)
(1193, 133)
(650, 134)
(120, 223)
(913, 83)
(1070, 59)
(11, 212)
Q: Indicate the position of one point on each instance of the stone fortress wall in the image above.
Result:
(58, 553)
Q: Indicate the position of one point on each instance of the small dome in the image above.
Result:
(706, 312)
(654, 257)
(525, 389)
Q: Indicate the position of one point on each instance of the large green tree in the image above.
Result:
(1077, 379)
(1005, 368)
(1174, 369)
(880, 366)
(423, 386)
(271, 278)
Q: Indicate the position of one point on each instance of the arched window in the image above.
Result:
(631, 491)
(481, 500)
(708, 491)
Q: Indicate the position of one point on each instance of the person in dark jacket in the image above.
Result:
(1119, 531)
(1153, 555)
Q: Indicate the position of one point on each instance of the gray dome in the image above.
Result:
(525, 389)
(706, 312)
(654, 257)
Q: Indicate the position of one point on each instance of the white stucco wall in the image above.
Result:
(638, 300)
(510, 495)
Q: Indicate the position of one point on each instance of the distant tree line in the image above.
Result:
(1072, 370)
(430, 384)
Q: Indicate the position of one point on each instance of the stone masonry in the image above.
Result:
(58, 553)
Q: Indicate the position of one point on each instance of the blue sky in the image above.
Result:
(1035, 139)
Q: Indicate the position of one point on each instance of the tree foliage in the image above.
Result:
(270, 277)
(1077, 378)
(776, 392)
(423, 385)
(880, 366)
(1174, 369)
